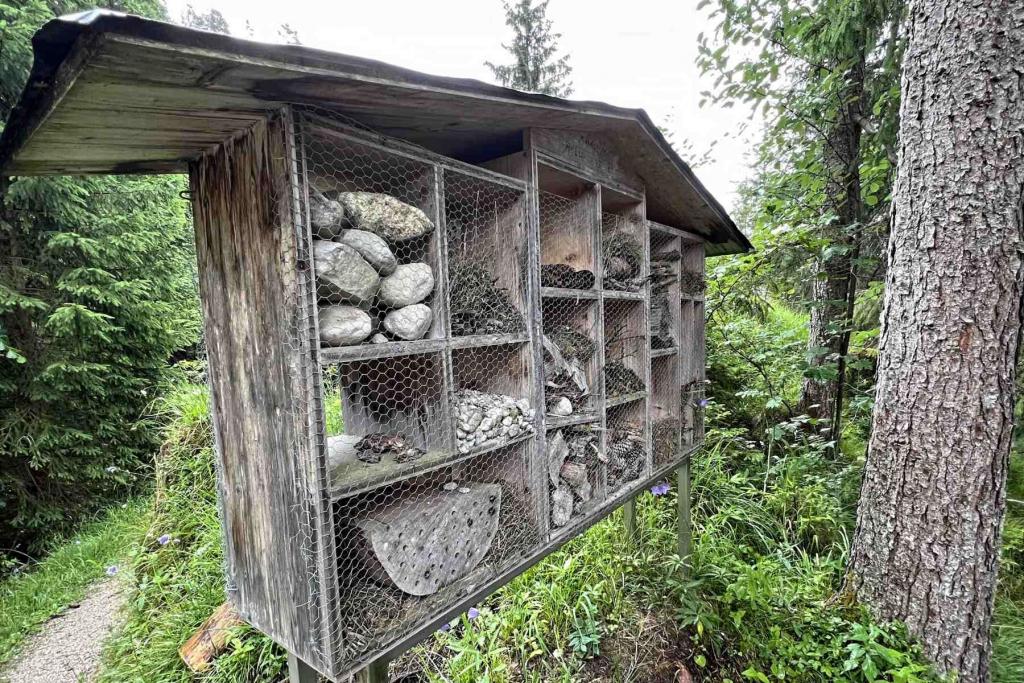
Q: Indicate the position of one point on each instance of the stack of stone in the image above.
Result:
(487, 418)
(359, 278)
(569, 450)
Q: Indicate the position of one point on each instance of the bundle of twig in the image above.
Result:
(661, 321)
(623, 262)
(620, 380)
(626, 455)
(691, 283)
(565, 276)
(478, 305)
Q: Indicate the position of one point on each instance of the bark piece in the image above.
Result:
(212, 637)
(425, 542)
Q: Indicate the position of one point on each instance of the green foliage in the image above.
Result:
(97, 290)
(536, 66)
(33, 594)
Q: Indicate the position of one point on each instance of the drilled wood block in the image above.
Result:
(425, 542)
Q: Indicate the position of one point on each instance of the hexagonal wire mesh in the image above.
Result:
(436, 476)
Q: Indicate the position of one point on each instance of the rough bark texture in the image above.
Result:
(933, 495)
(832, 291)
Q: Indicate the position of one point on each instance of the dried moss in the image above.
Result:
(665, 435)
(478, 305)
(691, 283)
(573, 344)
(620, 380)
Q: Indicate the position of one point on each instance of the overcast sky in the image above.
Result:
(633, 54)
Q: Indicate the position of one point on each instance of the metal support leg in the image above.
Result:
(683, 513)
(300, 672)
(629, 516)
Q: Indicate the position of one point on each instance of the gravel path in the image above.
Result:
(67, 650)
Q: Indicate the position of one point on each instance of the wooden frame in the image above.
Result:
(514, 361)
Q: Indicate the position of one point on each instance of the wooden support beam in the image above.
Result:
(629, 517)
(300, 672)
(212, 637)
(683, 512)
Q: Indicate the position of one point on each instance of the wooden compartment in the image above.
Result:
(492, 400)
(377, 248)
(571, 328)
(624, 247)
(574, 475)
(402, 399)
(625, 351)
(626, 446)
(411, 550)
(665, 409)
(567, 210)
(663, 317)
(487, 264)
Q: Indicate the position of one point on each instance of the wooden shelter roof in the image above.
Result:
(115, 93)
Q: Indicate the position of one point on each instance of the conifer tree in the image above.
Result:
(536, 66)
(97, 290)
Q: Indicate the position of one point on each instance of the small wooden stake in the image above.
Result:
(683, 513)
(300, 672)
(629, 516)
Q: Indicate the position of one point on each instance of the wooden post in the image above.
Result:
(683, 512)
(300, 672)
(376, 672)
(629, 515)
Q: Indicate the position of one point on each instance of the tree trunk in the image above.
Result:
(932, 500)
(821, 396)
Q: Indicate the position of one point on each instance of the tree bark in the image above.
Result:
(833, 289)
(933, 495)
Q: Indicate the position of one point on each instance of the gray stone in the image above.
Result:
(450, 486)
(378, 339)
(585, 492)
(409, 322)
(561, 407)
(344, 325)
(574, 474)
(343, 276)
(326, 215)
(561, 506)
(410, 283)
(384, 215)
(372, 248)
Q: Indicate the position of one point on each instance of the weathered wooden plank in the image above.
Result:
(589, 155)
(257, 333)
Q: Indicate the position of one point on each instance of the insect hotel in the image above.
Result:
(450, 325)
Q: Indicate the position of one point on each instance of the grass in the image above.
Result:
(33, 595)
(1008, 626)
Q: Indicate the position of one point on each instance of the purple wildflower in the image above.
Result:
(473, 613)
(164, 540)
(444, 627)
(111, 570)
(703, 403)
(660, 489)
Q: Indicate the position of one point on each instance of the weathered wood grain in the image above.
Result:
(257, 336)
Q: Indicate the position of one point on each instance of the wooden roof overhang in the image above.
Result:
(115, 93)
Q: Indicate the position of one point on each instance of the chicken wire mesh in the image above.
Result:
(442, 455)
(623, 251)
(487, 256)
(568, 253)
(625, 349)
